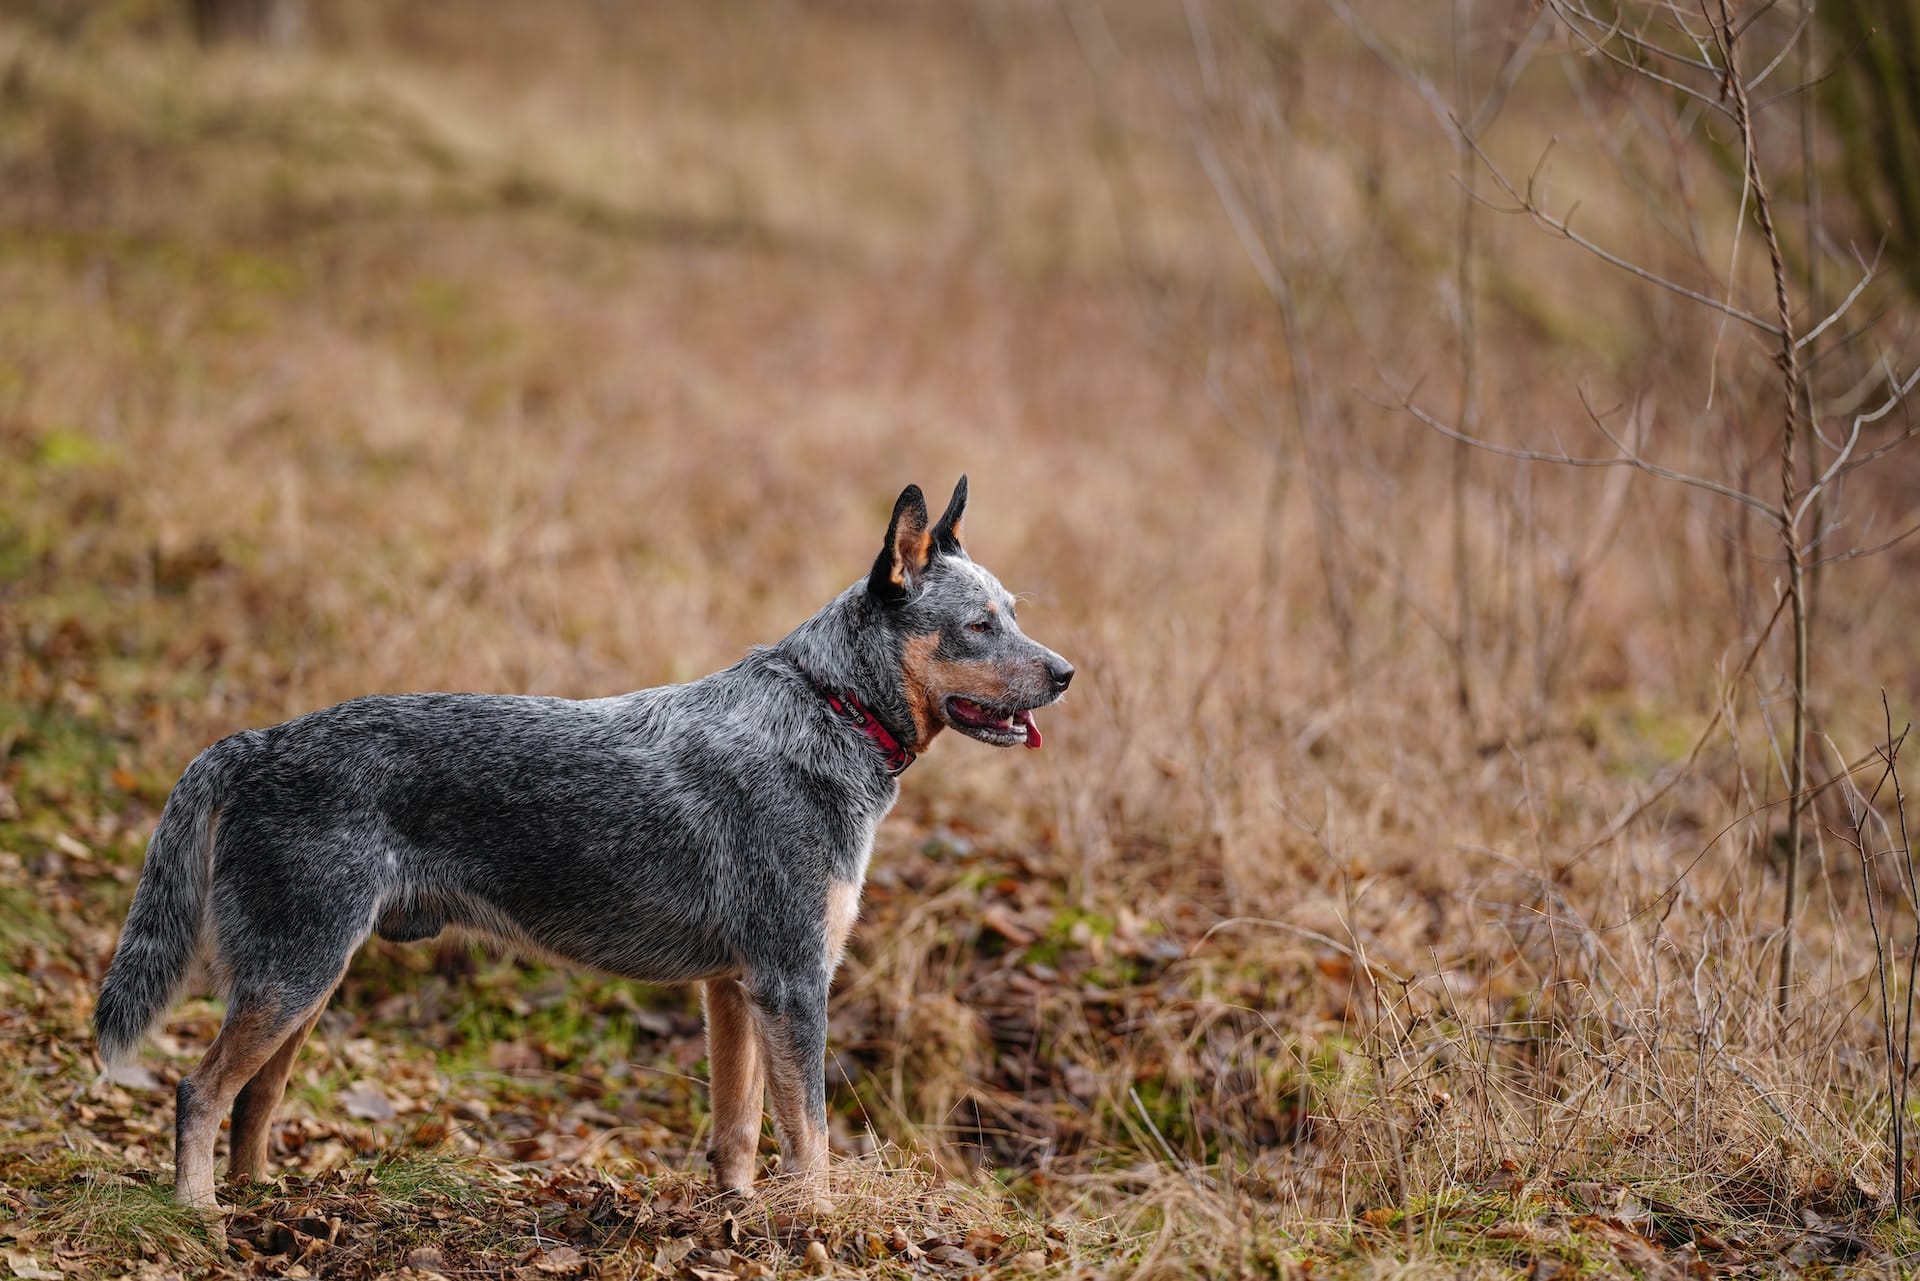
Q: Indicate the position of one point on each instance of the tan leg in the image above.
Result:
(793, 1042)
(249, 1037)
(803, 1139)
(253, 1109)
(738, 1085)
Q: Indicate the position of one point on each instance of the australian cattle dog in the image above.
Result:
(714, 832)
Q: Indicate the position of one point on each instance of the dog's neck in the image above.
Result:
(848, 707)
(846, 651)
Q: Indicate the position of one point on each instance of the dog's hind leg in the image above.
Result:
(255, 1028)
(737, 1085)
(287, 916)
(253, 1107)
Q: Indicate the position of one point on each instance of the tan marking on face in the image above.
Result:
(929, 680)
(992, 608)
(916, 656)
(738, 1084)
(843, 909)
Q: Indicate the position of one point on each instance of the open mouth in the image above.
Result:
(1001, 726)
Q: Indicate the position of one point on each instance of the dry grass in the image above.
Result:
(575, 353)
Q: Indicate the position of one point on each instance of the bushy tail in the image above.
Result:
(161, 938)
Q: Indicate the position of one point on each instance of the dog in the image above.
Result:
(715, 832)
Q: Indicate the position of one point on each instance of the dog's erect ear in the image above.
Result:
(946, 534)
(903, 558)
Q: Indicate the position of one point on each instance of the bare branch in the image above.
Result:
(1560, 225)
(1573, 15)
(1569, 460)
(1435, 102)
(1693, 753)
(1781, 56)
(1516, 62)
(1845, 462)
(1846, 302)
(1860, 553)
(1251, 242)
(1641, 69)
(1450, 123)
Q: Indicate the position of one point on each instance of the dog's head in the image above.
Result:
(963, 659)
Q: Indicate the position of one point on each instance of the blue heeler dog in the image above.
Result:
(715, 832)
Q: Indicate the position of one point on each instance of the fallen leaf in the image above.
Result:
(365, 1100)
(562, 1260)
(1832, 1243)
(984, 1242)
(899, 1243)
(28, 1268)
(512, 1056)
(952, 1256)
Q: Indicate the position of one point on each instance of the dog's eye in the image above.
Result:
(981, 626)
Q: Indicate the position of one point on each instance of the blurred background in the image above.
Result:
(1418, 837)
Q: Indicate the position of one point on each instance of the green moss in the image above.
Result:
(57, 756)
(64, 449)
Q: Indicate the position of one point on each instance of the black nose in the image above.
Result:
(1060, 672)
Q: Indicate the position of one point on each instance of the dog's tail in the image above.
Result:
(163, 932)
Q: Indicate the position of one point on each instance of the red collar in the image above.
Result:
(848, 708)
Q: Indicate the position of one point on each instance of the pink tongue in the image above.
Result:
(1033, 733)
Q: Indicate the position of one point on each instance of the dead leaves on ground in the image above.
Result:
(488, 1221)
(1553, 1226)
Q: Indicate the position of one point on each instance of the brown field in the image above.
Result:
(1399, 891)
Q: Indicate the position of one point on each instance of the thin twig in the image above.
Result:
(1693, 752)
(1789, 514)
(1841, 464)
(1913, 953)
(1845, 303)
(1860, 553)
(1858, 807)
(1436, 105)
(1569, 460)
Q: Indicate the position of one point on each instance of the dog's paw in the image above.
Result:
(210, 1210)
(732, 1198)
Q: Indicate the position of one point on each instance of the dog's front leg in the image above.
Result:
(791, 1014)
(737, 1085)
